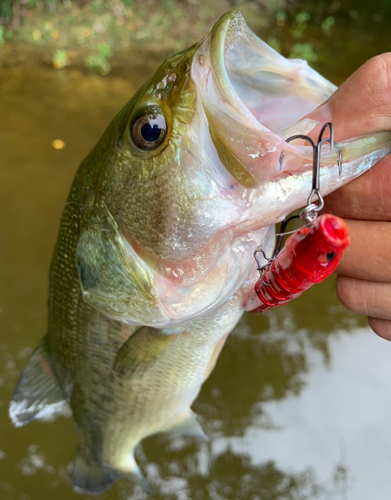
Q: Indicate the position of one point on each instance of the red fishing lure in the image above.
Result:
(309, 256)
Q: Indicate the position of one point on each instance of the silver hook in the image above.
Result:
(309, 213)
(260, 268)
(332, 143)
(276, 250)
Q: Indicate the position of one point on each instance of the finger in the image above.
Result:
(369, 298)
(362, 104)
(381, 326)
(367, 197)
(368, 255)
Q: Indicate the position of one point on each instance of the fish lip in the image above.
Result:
(224, 33)
(246, 149)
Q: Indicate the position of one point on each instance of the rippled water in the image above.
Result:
(299, 404)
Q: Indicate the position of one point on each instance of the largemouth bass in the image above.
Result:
(154, 258)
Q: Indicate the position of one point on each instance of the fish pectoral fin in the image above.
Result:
(188, 425)
(113, 278)
(37, 394)
(91, 478)
(141, 351)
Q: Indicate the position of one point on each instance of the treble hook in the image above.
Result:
(309, 213)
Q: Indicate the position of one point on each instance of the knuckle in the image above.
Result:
(347, 294)
(380, 327)
(370, 298)
(378, 70)
(379, 63)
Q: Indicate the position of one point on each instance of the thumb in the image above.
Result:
(362, 105)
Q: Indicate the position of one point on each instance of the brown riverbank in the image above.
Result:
(108, 37)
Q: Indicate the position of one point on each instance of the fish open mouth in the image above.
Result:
(252, 98)
(255, 79)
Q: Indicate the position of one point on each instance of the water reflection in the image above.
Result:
(298, 406)
(339, 420)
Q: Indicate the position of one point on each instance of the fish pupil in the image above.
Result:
(150, 131)
(330, 256)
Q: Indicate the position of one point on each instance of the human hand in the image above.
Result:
(360, 106)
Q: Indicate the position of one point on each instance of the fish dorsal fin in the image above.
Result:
(89, 477)
(141, 351)
(188, 425)
(38, 394)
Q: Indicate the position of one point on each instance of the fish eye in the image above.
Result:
(330, 256)
(149, 130)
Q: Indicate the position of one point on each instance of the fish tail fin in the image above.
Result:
(38, 394)
(89, 477)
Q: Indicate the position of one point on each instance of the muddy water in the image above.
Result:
(299, 404)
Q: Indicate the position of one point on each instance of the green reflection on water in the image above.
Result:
(268, 359)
